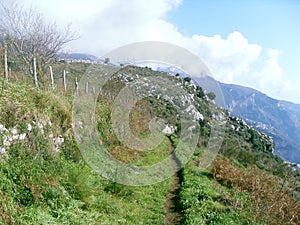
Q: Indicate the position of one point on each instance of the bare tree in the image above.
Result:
(32, 40)
(4, 54)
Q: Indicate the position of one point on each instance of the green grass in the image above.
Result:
(57, 191)
(204, 201)
(47, 183)
(39, 186)
(230, 193)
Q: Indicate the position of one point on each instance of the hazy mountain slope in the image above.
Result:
(280, 119)
(77, 56)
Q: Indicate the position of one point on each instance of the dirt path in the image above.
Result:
(172, 208)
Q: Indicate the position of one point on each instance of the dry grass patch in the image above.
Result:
(270, 202)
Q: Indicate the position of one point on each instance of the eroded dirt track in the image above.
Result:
(172, 207)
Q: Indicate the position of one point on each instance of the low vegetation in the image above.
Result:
(42, 186)
(44, 179)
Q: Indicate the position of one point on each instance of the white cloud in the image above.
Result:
(234, 60)
(69, 10)
(270, 72)
(227, 58)
(270, 76)
(107, 24)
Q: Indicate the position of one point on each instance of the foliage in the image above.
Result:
(205, 202)
(45, 182)
(211, 95)
(270, 202)
(39, 186)
(29, 37)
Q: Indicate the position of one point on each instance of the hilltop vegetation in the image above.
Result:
(45, 180)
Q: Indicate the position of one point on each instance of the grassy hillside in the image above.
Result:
(45, 182)
(44, 179)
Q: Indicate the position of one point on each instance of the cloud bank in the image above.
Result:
(108, 24)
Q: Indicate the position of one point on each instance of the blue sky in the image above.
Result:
(252, 43)
(270, 23)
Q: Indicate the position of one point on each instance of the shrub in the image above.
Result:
(270, 202)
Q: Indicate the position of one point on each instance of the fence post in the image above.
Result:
(51, 76)
(76, 85)
(65, 80)
(5, 61)
(87, 87)
(35, 72)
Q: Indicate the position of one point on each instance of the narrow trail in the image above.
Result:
(173, 214)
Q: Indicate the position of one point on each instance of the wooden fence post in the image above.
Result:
(76, 85)
(51, 76)
(35, 72)
(65, 80)
(5, 62)
(87, 87)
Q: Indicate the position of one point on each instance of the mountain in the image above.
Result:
(277, 118)
(77, 57)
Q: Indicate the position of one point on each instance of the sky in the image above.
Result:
(255, 43)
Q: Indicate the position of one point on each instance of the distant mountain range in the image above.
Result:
(77, 56)
(279, 119)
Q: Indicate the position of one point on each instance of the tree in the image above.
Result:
(4, 54)
(31, 40)
(187, 79)
(211, 95)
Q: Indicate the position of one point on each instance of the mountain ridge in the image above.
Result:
(278, 118)
(275, 117)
